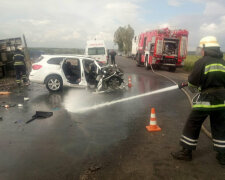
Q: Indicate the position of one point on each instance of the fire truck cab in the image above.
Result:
(162, 47)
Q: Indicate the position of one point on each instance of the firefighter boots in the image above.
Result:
(184, 154)
(221, 158)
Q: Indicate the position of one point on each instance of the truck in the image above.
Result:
(96, 49)
(162, 47)
(7, 51)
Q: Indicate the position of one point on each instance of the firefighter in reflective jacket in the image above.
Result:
(20, 67)
(208, 76)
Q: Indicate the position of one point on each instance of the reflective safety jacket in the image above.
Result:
(18, 59)
(208, 76)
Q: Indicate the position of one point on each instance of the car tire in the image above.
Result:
(54, 83)
(138, 60)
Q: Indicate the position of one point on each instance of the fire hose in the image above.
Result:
(188, 96)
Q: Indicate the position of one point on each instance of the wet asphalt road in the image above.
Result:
(60, 146)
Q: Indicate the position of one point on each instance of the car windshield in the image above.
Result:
(96, 51)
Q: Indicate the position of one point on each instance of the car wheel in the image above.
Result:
(157, 67)
(54, 83)
(138, 60)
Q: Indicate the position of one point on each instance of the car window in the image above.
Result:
(87, 61)
(96, 51)
(73, 62)
(56, 61)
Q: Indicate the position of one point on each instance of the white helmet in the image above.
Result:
(209, 41)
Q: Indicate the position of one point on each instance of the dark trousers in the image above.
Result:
(113, 61)
(191, 131)
(20, 74)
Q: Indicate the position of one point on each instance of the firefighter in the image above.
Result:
(20, 67)
(208, 76)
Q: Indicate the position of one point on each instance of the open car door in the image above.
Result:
(71, 68)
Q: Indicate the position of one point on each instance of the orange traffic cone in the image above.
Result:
(153, 124)
(129, 82)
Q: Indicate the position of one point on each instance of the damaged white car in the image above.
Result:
(56, 71)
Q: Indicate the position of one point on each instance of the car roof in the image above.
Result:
(47, 56)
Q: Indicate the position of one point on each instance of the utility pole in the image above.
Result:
(27, 55)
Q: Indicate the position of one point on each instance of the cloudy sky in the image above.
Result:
(69, 23)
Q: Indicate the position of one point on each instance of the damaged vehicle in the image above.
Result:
(57, 71)
(108, 77)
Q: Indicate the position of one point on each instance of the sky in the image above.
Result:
(70, 23)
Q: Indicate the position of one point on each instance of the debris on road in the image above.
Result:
(87, 173)
(56, 109)
(40, 115)
(26, 98)
(4, 92)
(6, 106)
(19, 121)
(94, 168)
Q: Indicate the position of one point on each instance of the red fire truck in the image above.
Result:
(162, 47)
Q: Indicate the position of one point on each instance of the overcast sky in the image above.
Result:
(69, 23)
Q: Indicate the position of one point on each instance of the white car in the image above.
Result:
(56, 71)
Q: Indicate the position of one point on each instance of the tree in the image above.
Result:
(123, 38)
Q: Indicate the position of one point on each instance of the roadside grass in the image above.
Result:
(190, 60)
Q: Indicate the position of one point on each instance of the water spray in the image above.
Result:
(125, 99)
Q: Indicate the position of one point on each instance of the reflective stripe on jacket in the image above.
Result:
(18, 60)
(18, 63)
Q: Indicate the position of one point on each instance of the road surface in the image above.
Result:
(108, 143)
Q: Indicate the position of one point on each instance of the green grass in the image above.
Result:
(190, 60)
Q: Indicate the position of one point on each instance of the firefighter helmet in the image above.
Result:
(209, 41)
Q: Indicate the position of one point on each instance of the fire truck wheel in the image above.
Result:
(155, 66)
(138, 60)
(172, 69)
(138, 64)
